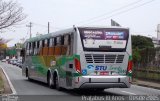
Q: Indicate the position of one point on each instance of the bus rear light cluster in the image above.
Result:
(77, 65)
(129, 68)
(129, 71)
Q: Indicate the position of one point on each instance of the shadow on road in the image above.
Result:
(77, 92)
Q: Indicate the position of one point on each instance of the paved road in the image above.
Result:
(25, 87)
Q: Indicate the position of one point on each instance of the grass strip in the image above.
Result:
(1, 84)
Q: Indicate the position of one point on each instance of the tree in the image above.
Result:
(3, 47)
(136, 56)
(10, 14)
(141, 42)
(3, 43)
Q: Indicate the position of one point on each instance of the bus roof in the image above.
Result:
(103, 27)
(45, 36)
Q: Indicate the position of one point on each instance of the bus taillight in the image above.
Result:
(77, 65)
(129, 68)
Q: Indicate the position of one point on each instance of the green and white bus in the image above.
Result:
(80, 58)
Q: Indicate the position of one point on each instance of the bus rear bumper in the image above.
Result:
(103, 82)
(103, 85)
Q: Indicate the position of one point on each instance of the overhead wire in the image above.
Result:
(121, 10)
(124, 11)
(110, 12)
(45, 26)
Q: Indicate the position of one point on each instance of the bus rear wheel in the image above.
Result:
(50, 81)
(56, 82)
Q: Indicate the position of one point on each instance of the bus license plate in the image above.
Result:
(104, 73)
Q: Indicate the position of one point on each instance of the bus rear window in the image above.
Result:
(111, 39)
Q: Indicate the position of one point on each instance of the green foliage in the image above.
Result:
(1, 82)
(141, 42)
(143, 49)
(144, 55)
(11, 52)
(148, 55)
(136, 55)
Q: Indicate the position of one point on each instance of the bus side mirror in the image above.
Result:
(22, 53)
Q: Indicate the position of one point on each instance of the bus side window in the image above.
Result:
(69, 45)
(71, 38)
(51, 47)
(30, 48)
(58, 46)
(65, 45)
(62, 40)
(27, 47)
(40, 44)
(38, 48)
(34, 48)
(43, 43)
(48, 46)
(45, 47)
(48, 42)
(41, 47)
(55, 41)
(58, 41)
(66, 39)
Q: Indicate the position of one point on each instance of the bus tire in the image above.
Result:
(56, 82)
(50, 80)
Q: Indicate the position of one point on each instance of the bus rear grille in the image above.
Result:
(104, 58)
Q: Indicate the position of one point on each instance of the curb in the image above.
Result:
(10, 84)
(146, 86)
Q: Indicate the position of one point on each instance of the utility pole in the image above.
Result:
(30, 26)
(158, 31)
(48, 27)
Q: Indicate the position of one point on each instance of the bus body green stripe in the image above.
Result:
(42, 63)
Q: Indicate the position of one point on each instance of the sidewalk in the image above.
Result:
(144, 83)
(7, 89)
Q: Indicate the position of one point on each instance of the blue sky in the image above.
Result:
(65, 13)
